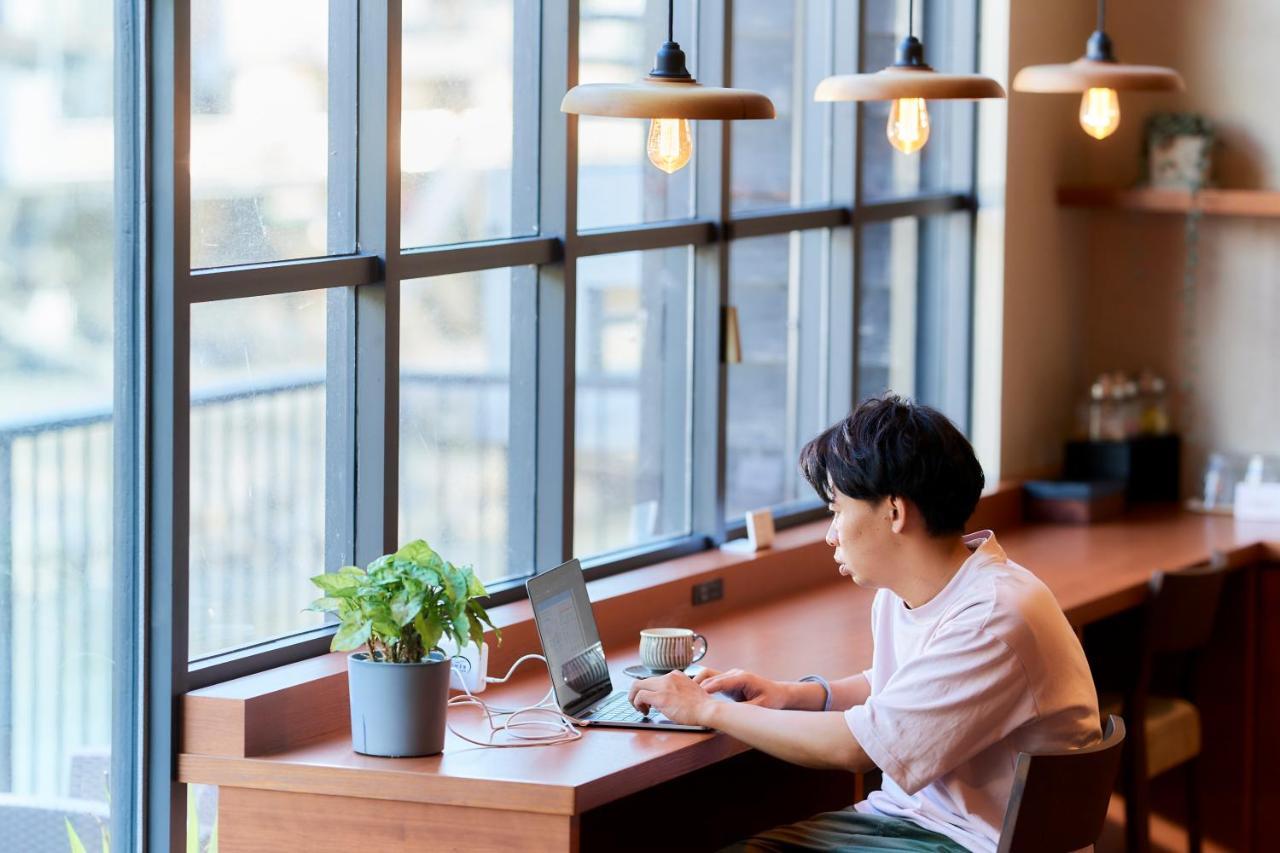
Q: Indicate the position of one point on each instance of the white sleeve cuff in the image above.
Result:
(858, 719)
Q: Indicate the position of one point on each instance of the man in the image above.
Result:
(973, 659)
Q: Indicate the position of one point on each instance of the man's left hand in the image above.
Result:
(675, 695)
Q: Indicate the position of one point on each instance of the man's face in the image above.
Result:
(860, 532)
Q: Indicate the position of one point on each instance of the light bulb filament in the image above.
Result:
(670, 143)
(1100, 112)
(908, 128)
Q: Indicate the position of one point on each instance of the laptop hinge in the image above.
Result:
(588, 700)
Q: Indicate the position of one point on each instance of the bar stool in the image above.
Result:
(1059, 800)
(1175, 623)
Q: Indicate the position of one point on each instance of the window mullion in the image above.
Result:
(711, 283)
(128, 460)
(377, 308)
(168, 418)
(555, 297)
(340, 302)
(842, 130)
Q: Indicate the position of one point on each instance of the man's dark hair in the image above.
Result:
(890, 446)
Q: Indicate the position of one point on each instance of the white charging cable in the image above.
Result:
(556, 726)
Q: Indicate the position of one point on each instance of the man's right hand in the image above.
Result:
(745, 687)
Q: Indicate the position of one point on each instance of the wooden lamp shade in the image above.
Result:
(656, 98)
(1085, 74)
(905, 81)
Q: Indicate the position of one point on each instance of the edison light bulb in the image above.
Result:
(670, 143)
(1100, 112)
(908, 128)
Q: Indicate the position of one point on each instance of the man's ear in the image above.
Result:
(897, 508)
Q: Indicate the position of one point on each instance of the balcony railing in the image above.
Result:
(257, 480)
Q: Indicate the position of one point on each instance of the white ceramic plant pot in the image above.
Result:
(1179, 162)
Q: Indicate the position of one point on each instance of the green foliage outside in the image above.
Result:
(193, 831)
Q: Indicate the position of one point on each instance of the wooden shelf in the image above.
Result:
(1259, 203)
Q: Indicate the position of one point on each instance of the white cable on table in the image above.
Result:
(559, 728)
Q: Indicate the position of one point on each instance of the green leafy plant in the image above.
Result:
(193, 830)
(403, 604)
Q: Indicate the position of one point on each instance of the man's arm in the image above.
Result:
(810, 739)
(845, 694)
(788, 695)
(820, 740)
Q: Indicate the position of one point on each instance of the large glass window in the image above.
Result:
(616, 183)
(631, 430)
(257, 467)
(499, 355)
(57, 425)
(259, 131)
(468, 121)
(456, 473)
(946, 162)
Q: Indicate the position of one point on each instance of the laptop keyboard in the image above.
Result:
(617, 708)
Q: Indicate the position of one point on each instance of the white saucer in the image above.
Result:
(638, 670)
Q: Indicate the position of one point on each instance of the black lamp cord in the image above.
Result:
(1099, 47)
(911, 18)
(669, 64)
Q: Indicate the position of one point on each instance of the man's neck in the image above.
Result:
(931, 564)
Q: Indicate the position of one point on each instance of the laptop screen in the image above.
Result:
(568, 632)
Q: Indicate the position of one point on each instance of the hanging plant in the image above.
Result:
(1178, 154)
(1178, 150)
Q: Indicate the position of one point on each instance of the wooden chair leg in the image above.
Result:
(1137, 800)
(1193, 807)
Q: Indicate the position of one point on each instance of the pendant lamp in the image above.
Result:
(1099, 76)
(671, 98)
(909, 82)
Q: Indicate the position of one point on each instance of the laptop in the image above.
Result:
(575, 657)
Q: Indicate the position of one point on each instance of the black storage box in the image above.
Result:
(1149, 465)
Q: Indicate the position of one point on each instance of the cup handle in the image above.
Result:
(700, 655)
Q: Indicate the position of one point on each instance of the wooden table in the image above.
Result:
(278, 746)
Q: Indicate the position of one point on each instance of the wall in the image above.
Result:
(1086, 291)
(1221, 336)
(1043, 300)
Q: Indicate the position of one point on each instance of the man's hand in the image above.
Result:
(745, 687)
(675, 695)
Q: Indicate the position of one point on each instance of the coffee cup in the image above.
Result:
(665, 649)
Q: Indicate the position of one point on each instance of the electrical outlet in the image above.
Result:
(708, 591)
(469, 666)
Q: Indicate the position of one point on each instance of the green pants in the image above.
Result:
(846, 830)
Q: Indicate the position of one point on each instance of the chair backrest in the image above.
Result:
(1059, 799)
(1181, 609)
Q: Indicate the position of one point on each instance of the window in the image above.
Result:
(465, 330)
(468, 153)
(631, 426)
(257, 467)
(68, 466)
(259, 132)
(460, 489)
(531, 379)
(616, 183)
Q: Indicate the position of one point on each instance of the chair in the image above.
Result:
(1174, 626)
(1059, 799)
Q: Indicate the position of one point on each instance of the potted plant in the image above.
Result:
(399, 608)
(1179, 146)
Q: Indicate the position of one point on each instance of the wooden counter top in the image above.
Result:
(1094, 571)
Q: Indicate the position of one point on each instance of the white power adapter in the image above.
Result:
(469, 666)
